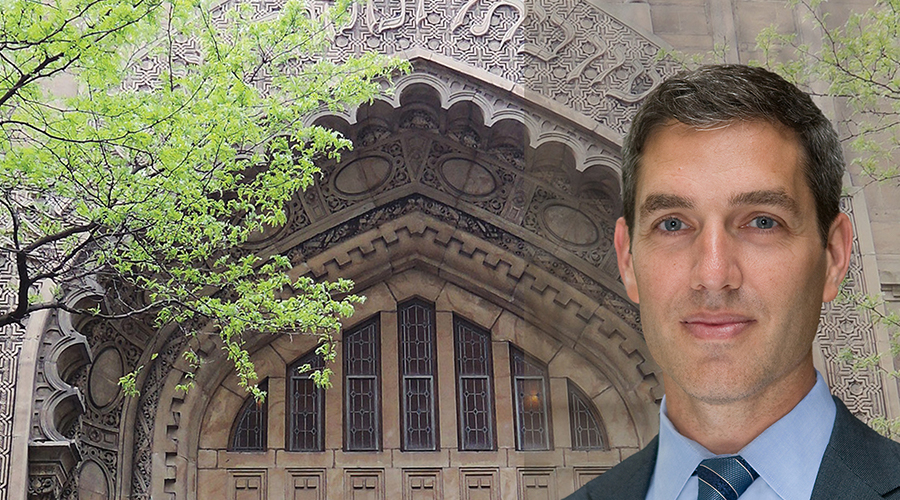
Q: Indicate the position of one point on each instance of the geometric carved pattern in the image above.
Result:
(426, 484)
(364, 484)
(485, 231)
(479, 484)
(578, 55)
(147, 413)
(11, 338)
(567, 51)
(844, 326)
(10, 347)
(488, 179)
(117, 346)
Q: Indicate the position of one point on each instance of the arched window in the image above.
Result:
(362, 387)
(587, 428)
(418, 372)
(531, 396)
(306, 406)
(248, 433)
(475, 392)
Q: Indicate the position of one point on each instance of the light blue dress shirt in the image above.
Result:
(786, 455)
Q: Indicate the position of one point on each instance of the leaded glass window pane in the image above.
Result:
(417, 371)
(249, 431)
(530, 383)
(474, 372)
(362, 418)
(306, 407)
(587, 428)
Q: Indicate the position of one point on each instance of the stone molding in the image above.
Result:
(567, 55)
(50, 467)
(11, 345)
(415, 241)
(410, 254)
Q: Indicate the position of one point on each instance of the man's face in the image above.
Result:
(726, 260)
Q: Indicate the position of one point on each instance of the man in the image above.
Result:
(730, 241)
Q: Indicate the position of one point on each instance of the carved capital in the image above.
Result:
(50, 466)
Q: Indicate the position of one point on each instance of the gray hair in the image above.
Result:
(715, 95)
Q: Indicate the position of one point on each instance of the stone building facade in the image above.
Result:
(497, 355)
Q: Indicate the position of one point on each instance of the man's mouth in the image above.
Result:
(716, 326)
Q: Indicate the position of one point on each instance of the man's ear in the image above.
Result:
(837, 255)
(626, 261)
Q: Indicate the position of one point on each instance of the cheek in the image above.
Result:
(661, 279)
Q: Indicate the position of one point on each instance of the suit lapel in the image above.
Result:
(630, 480)
(858, 464)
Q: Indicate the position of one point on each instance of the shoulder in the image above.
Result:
(628, 480)
(858, 459)
(861, 447)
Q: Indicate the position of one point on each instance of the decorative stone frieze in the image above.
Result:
(844, 326)
(489, 175)
(11, 338)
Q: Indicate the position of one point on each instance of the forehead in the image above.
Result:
(720, 161)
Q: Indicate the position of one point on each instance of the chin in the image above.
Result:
(711, 390)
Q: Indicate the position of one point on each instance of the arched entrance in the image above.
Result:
(494, 234)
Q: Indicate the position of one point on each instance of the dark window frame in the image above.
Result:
(519, 359)
(251, 405)
(293, 377)
(375, 377)
(428, 375)
(575, 392)
(490, 443)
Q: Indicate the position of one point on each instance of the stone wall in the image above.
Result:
(535, 98)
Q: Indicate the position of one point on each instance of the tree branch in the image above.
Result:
(16, 319)
(65, 233)
(63, 261)
(7, 202)
(28, 78)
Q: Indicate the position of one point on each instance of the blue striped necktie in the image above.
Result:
(724, 478)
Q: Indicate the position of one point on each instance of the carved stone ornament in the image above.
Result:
(506, 133)
(50, 466)
(11, 338)
(844, 326)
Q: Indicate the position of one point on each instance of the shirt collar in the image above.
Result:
(787, 455)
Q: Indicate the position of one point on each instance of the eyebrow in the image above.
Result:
(774, 198)
(657, 202)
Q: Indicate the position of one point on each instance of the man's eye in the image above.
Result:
(763, 222)
(671, 225)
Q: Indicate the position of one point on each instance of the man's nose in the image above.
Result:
(715, 260)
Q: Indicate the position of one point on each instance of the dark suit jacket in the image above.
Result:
(859, 464)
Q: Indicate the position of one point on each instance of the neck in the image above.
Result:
(727, 427)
